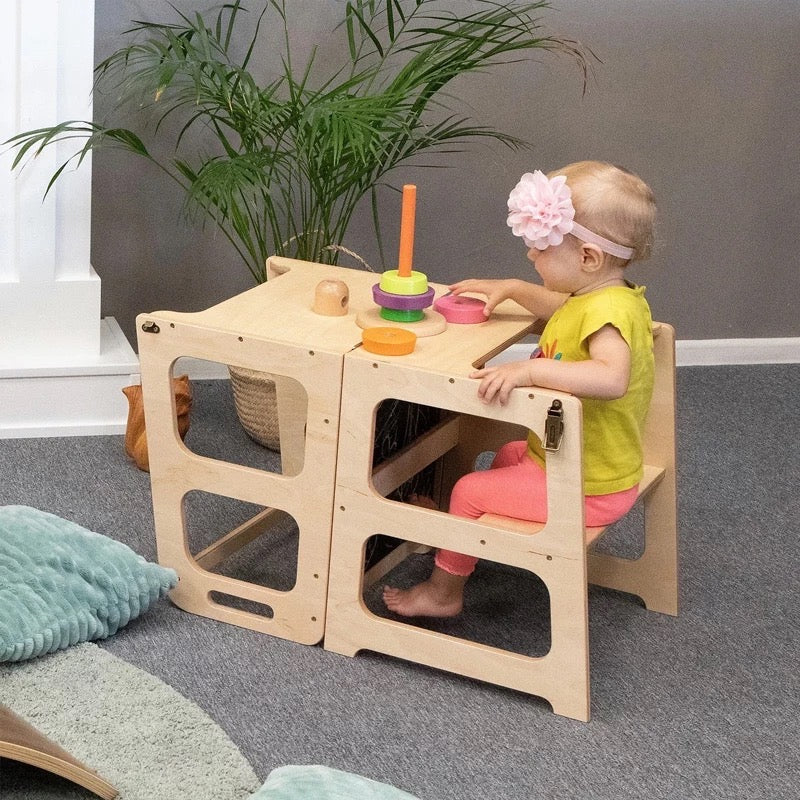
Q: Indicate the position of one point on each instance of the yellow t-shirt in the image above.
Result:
(612, 429)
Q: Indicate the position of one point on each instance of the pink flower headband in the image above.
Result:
(540, 210)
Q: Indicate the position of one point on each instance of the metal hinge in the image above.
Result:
(553, 427)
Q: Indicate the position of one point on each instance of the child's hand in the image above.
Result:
(604, 376)
(541, 302)
(498, 382)
(495, 290)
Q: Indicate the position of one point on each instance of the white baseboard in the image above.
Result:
(78, 397)
(710, 352)
(199, 370)
(86, 399)
(722, 352)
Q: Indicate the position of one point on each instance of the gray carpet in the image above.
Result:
(700, 706)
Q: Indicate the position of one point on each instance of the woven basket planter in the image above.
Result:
(255, 397)
(256, 405)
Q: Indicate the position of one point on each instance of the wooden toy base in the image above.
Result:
(20, 741)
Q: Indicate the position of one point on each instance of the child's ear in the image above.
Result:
(592, 257)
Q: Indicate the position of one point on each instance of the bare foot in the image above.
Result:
(419, 601)
(442, 595)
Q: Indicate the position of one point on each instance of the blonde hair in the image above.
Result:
(614, 203)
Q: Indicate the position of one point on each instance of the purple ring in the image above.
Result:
(402, 302)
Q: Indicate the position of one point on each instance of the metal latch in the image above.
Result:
(553, 427)
(150, 327)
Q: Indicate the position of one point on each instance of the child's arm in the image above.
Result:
(604, 375)
(541, 302)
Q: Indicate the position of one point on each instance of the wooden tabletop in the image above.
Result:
(281, 310)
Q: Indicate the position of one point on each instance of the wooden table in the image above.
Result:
(272, 328)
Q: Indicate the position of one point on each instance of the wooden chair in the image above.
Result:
(559, 552)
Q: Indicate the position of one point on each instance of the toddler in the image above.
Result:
(583, 225)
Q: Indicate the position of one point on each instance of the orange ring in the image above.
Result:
(389, 341)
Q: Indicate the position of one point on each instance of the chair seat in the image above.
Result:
(652, 476)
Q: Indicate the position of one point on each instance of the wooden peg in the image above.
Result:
(407, 230)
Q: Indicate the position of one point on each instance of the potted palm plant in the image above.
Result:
(283, 164)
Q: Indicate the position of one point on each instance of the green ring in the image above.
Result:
(393, 315)
(415, 283)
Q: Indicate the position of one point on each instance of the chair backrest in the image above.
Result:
(659, 432)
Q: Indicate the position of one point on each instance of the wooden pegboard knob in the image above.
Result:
(331, 298)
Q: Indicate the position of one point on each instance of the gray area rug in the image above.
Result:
(137, 732)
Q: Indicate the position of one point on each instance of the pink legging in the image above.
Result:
(516, 486)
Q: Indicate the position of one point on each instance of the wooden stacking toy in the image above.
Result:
(403, 294)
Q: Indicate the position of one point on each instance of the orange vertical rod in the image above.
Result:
(407, 230)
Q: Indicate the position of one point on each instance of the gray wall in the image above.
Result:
(698, 96)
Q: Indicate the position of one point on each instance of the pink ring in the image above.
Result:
(402, 302)
(461, 310)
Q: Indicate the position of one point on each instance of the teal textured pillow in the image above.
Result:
(323, 783)
(61, 584)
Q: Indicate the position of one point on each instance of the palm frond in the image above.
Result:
(285, 163)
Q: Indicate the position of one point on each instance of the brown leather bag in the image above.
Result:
(135, 433)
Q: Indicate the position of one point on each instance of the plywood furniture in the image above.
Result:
(436, 374)
(329, 388)
(272, 328)
(20, 741)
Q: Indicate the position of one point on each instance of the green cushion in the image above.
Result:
(323, 783)
(61, 584)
